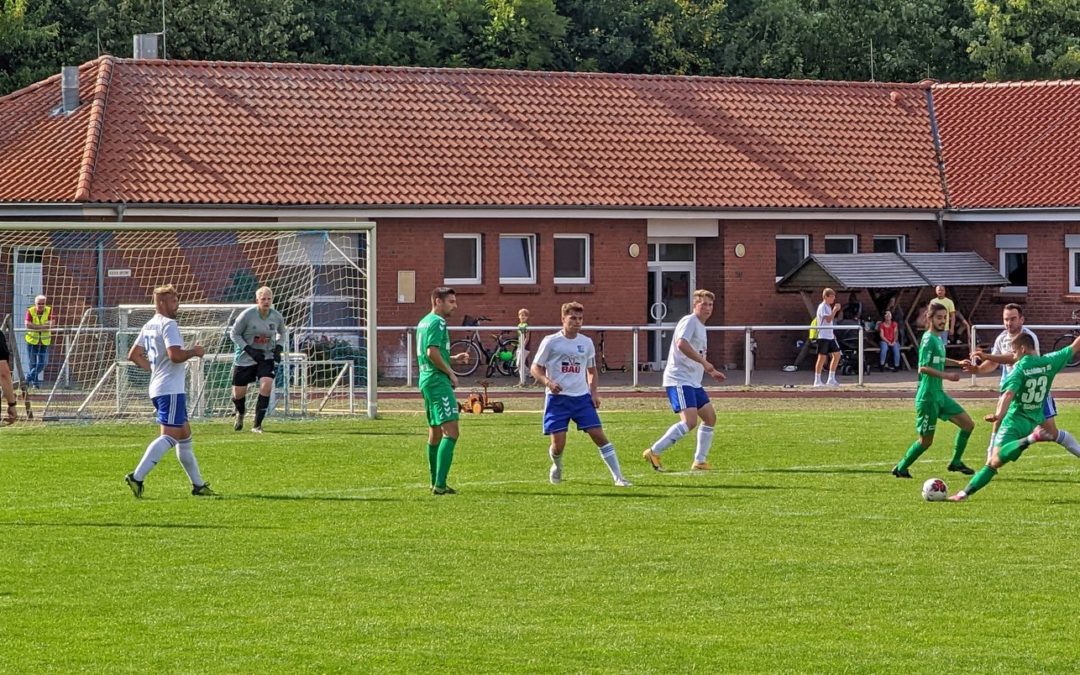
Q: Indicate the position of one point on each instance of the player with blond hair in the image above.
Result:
(160, 350)
(685, 367)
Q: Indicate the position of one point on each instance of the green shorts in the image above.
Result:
(928, 412)
(1014, 431)
(439, 403)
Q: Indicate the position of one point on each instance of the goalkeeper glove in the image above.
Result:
(277, 354)
(255, 354)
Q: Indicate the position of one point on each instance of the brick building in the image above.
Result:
(624, 192)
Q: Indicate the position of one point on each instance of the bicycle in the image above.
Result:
(1067, 339)
(502, 358)
(604, 367)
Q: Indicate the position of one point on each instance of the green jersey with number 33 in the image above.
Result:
(1030, 382)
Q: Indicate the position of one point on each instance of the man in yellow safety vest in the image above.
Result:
(38, 322)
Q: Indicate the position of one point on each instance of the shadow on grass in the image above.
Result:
(315, 498)
(711, 486)
(877, 472)
(418, 432)
(164, 526)
(632, 494)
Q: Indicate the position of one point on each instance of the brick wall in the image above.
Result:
(616, 294)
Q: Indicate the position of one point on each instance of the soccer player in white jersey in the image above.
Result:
(685, 367)
(160, 349)
(1012, 316)
(565, 364)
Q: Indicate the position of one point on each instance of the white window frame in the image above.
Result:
(466, 281)
(853, 238)
(805, 238)
(902, 238)
(532, 258)
(1074, 262)
(587, 279)
(1002, 269)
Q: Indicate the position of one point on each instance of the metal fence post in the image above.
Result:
(408, 357)
(634, 352)
(862, 360)
(747, 356)
(972, 344)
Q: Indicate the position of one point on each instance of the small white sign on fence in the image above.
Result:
(119, 273)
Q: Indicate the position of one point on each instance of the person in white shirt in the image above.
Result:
(160, 350)
(686, 365)
(827, 346)
(565, 364)
(1012, 316)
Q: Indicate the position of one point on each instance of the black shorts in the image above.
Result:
(242, 376)
(5, 355)
(827, 346)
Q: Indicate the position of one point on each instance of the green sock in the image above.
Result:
(960, 445)
(980, 479)
(432, 459)
(912, 454)
(446, 457)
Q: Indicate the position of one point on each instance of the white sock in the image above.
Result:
(607, 453)
(1066, 440)
(186, 455)
(555, 459)
(704, 442)
(671, 436)
(817, 378)
(832, 376)
(990, 448)
(154, 452)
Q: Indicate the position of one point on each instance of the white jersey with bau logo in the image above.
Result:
(565, 360)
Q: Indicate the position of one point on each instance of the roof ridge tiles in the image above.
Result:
(530, 74)
(94, 127)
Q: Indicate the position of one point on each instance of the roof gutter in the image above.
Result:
(935, 133)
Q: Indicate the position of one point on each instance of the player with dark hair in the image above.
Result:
(437, 383)
(931, 401)
(1020, 407)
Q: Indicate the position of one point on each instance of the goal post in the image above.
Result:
(99, 276)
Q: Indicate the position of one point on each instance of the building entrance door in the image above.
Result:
(670, 287)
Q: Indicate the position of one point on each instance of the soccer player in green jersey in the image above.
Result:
(1020, 408)
(437, 384)
(931, 401)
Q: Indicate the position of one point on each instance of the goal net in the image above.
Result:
(99, 284)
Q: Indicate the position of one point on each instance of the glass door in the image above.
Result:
(670, 288)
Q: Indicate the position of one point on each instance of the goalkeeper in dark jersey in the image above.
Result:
(260, 336)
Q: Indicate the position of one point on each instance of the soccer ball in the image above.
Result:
(935, 490)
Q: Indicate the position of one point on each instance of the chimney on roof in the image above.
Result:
(145, 46)
(69, 89)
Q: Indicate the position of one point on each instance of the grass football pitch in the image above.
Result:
(327, 553)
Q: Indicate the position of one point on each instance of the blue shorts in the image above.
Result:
(1049, 407)
(685, 396)
(560, 410)
(171, 409)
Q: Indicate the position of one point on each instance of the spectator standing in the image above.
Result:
(38, 322)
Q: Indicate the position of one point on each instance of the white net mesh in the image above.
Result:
(98, 284)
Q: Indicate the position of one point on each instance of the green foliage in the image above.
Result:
(25, 35)
(1026, 39)
(889, 40)
(326, 553)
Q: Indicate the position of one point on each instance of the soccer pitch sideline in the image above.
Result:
(326, 551)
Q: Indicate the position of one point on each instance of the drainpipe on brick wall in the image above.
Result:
(941, 231)
(936, 135)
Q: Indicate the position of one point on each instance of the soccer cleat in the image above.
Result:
(962, 468)
(239, 424)
(622, 482)
(901, 473)
(256, 430)
(135, 485)
(832, 383)
(653, 459)
(700, 466)
(12, 414)
(555, 474)
(819, 383)
(203, 490)
(443, 490)
(958, 497)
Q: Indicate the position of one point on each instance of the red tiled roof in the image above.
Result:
(1010, 144)
(256, 133)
